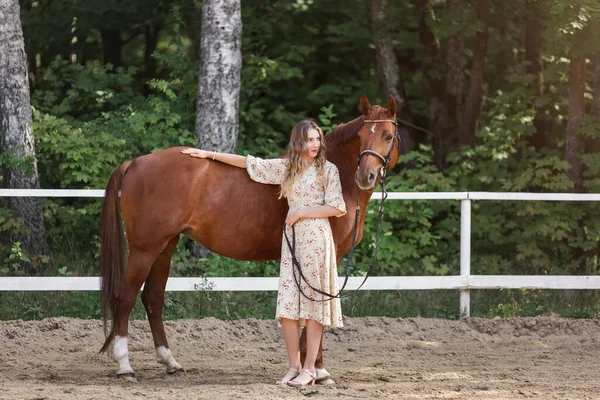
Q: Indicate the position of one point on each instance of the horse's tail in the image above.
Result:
(112, 250)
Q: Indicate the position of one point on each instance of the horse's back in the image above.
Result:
(155, 193)
(167, 193)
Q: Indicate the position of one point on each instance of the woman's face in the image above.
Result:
(313, 143)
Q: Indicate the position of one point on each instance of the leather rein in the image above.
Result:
(349, 261)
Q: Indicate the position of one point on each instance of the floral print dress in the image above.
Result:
(315, 249)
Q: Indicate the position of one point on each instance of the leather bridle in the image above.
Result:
(384, 160)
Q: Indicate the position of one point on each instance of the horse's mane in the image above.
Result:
(348, 131)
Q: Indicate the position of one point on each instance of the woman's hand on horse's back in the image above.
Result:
(196, 152)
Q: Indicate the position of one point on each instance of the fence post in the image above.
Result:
(465, 255)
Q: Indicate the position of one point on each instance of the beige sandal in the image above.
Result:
(291, 374)
(305, 378)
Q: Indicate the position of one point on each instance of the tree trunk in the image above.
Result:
(596, 71)
(441, 133)
(387, 64)
(592, 144)
(151, 35)
(533, 55)
(455, 79)
(16, 138)
(217, 105)
(389, 70)
(112, 44)
(472, 112)
(576, 106)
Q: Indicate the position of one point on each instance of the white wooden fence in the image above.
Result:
(463, 282)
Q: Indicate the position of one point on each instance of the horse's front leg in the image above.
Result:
(153, 298)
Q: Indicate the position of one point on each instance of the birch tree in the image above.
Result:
(17, 145)
(217, 105)
(218, 102)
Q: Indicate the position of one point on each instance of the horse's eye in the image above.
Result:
(389, 138)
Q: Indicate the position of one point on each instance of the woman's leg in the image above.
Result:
(291, 336)
(314, 332)
(319, 360)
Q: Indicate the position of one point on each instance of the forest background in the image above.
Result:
(497, 96)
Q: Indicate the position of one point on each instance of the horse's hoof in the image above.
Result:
(175, 371)
(325, 382)
(129, 377)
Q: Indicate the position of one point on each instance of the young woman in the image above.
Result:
(313, 190)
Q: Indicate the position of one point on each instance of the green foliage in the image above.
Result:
(10, 160)
(422, 237)
(72, 156)
(83, 91)
(264, 126)
(89, 117)
(572, 28)
(15, 260)
(410, 244)
(8, 225)
(326, 119)
(64, 271)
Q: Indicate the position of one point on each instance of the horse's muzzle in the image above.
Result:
(366, 180)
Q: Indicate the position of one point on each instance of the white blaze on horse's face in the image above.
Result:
(379, 138)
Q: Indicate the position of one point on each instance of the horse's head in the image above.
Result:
(379, 142)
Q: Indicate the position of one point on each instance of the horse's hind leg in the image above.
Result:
(138, 267)
(321, 371)
(153, 298)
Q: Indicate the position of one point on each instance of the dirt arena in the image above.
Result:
(386, 358)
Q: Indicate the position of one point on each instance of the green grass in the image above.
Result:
(70, 260)
(261, 305)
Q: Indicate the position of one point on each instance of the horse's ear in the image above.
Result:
(391, 107)
(365, 107)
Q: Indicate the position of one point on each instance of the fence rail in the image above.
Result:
(463, 282)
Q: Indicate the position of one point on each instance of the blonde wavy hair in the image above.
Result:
(297, 152)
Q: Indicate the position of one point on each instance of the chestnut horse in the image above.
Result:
(164, 194)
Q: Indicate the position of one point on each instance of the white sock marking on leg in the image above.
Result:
(165, 357)
(121, 355)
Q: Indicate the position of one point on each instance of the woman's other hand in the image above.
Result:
(293, 217)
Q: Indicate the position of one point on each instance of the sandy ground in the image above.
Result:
(387, 358)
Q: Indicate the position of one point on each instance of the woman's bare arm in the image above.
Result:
(312, 212)
(231, 159)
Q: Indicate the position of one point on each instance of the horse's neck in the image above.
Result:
(345, 157)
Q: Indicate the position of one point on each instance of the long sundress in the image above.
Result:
(315, 249)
